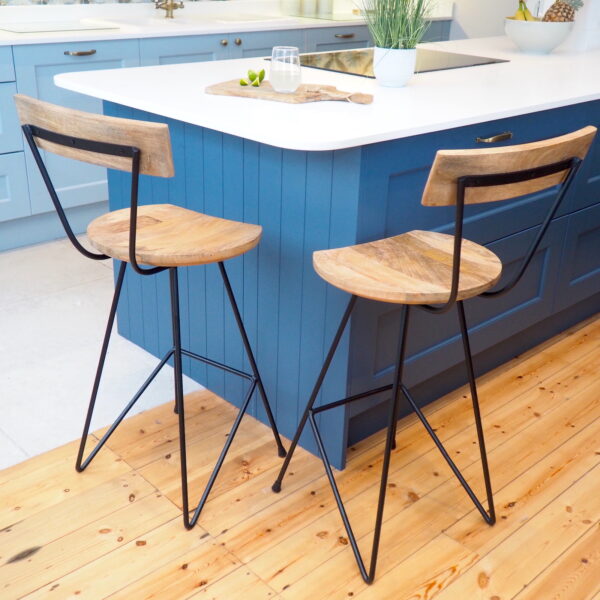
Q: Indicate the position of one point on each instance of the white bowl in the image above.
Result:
(537, 37)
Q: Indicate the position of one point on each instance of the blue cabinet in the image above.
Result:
(199, 48)
(189, 48)
(11, 139)
(7, 72)
(14, 196)
(246, 45)
(328, 39)
(36, 66)
(579, 274)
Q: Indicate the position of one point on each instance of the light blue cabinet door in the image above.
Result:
(14, 199)
(189, 48)
(337, 38)
(36, 66)
(438, 31)
(7, 72)
(260, 43)
(11, 139)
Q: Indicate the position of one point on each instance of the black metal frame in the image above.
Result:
(176, 351)
(398, 389)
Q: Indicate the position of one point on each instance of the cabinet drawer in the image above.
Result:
(14, 196)
(579, 274)
(7, 72)
(175, 50)
(11, 139)
(246, 45)
(337, 38)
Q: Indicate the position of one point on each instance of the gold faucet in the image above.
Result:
(169, 6)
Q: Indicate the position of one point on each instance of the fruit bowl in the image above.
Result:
(537, 37)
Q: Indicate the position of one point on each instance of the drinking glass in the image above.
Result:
(284, 74)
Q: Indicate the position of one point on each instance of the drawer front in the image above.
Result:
(36, 66)
(193, 48)
(7, 71)
(246, 45)
(14, 196)
(11, 139)
(579, 274)
(337, 38)
(392, 202)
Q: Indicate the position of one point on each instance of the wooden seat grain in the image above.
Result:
(172, 236)
(412, 268)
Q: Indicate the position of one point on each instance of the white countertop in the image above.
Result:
(197, 18)
(431, 102)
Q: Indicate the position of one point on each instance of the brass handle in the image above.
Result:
(344, 36)
(224, 42)
(79, 52)
(501, 137)
(238, 41)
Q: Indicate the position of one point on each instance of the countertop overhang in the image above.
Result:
(430, 102)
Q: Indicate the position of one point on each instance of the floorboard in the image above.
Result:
(115, 531)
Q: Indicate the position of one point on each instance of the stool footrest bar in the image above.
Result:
(218, 365)
(349, 399)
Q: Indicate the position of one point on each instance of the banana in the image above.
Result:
(523, 13)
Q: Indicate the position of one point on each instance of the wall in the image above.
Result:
(482, 18)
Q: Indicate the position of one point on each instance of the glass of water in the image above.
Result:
(284, 74)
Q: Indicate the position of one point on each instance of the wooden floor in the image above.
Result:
(115, 531)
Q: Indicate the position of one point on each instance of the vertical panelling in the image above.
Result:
(213, 184)
(233, 208)
(269, 270)
(194, 191)
(249, 298)
(293, 186)
(343, 225)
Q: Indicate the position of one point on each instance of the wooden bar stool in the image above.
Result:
(160, 236)
(435, 272)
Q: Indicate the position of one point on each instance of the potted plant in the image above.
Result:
(396, 26)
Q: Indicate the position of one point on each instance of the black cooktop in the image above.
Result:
(360, 62)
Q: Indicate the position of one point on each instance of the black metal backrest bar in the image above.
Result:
(569, 166)
(31, 132)
(495, 179)
(82, 144)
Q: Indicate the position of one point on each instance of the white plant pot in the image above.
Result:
(394, 67)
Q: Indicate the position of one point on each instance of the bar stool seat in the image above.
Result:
(412, 268)
(172, 236)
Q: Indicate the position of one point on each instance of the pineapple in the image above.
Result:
(563, 10)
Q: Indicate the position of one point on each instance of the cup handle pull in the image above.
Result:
(79, 52)
(501, 137)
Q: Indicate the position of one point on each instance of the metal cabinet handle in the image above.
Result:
(238, 41)
(79, 52)
(224, 42)
(344, 36)
(501, 137)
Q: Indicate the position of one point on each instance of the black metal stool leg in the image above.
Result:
(476, 411)
(178, 380)
(79, 466)
(489, 517)
(369, 575)
(250, 355)
(276, 487)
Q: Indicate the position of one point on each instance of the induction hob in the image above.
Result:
(360, 61)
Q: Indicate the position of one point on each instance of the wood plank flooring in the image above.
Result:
(115, 531)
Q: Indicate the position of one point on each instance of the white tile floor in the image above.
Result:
(53, 309)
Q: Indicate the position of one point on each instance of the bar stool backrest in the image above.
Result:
(450, 165)
(460, 177)
(151, 139)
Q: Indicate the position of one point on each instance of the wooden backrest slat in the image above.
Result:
(152, 139)
(449, 165)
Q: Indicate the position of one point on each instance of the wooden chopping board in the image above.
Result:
(306, 92)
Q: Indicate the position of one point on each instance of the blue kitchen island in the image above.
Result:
(331, 174)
